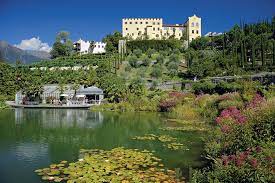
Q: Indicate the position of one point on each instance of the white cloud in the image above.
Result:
(33, 44)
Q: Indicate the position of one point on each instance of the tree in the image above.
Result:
(111, 41)
(63, 46)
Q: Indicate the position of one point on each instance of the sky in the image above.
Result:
(33, 24)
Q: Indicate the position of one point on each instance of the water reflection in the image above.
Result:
(30, 151)
(58, 118)
(35, 138)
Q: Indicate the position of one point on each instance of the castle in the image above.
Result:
(154, 28)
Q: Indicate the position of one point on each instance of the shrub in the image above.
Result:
(204, 87)
(160, 59)
(146, 62)
(133, 61)
(207, 106)
(156, 71)
(137, 52)
(225, 87)
(186, 112)
(128, 68)
(167, 105)
(252, 165)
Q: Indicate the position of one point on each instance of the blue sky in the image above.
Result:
(91, 20)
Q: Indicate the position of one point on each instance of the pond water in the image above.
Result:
(35, 138)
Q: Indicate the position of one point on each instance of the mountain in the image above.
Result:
(40, 54)
(11, 54)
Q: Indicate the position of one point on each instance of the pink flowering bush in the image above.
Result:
(232, 114)
(256, 101)
(242, 144)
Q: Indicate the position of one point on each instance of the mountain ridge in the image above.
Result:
(11, 54)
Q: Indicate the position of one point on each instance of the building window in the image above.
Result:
(137, 28)
(133, 34)
(193, 24)
(126, 28)
(130, 22)
(197, 24)
(154, 23)
(139, 33)
(125, 22)
(158, 23)
(193, 31)
(136, 22)
(140, 22)
(146, 22)
(157, 35)
(153, 28)
(197, 32)
(158, 28)
(179, 34)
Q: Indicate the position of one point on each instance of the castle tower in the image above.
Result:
(193, 25)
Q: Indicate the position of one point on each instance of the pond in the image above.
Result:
(35, 138)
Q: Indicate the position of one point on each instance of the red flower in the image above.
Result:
(225, 160)
(239, 162)
(254, 162)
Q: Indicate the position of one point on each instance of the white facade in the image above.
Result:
(154, 28)
(85, 47)
(99, 47)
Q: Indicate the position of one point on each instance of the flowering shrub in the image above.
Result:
(242, 144)
(167, 104)
(252, 165)
(174, 98)
(231, 114)
(256, 101)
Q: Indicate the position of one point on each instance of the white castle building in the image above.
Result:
(85, 47)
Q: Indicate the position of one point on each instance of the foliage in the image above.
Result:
(116, 165)
(241, 145)
(156, 71)
(111, 41)
(133, 61)
(158, 45)
(63, 46)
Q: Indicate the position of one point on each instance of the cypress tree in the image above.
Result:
(242, 54)
(223, 45)
(253, 54)
(262, 51)
(273, 52)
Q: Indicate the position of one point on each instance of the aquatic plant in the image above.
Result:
(117, 165)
